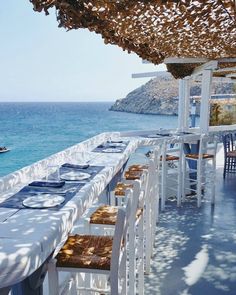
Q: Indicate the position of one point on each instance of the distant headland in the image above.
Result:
(159, 96)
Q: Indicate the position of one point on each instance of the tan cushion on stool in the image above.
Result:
(170, 158)
(86, 251)
(196, 156)
(121, 188)
(104, 215)
(133, 175)
(107, 215)
(138, 167)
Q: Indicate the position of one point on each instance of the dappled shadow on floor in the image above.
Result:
(195, 249)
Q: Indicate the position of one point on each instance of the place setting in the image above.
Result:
(79, 172)
(55, 190)
(74, 172)
(43, 194)
(112, 146)
(160, 134)
(151, 136)
(43, 201)
(181, 133)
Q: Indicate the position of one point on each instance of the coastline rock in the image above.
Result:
(159, 96)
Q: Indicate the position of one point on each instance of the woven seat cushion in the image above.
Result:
(133, 175)
(138, 167)
(105, 215)
(231, 154)
(196, 156)
(170, 158)
(86, 251)
(121, 188)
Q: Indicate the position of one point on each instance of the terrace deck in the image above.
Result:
(195, 249)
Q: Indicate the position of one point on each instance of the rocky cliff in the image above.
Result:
(159, 96)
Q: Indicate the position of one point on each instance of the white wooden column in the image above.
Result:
(184, 100)
(181, 106)
(205, 100)
(186, 103)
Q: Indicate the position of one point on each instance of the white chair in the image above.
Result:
(201, 171)
(151, 203)
(171, 169)
(104, 255)
(102, 218)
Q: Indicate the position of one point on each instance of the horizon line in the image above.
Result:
(64, 101)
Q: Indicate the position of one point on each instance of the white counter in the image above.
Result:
(28, 237)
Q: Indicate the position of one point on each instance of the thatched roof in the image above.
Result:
(155, 29)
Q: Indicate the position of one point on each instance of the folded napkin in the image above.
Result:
(182, 133)
(115, 141)
(153, 136)
(75, 166)
(112, 146)
(47, 183)
(163, 134)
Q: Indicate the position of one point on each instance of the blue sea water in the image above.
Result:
(34, 131)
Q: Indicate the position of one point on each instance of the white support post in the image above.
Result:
(183, 109)
(186, 103)
(205, 100)
(181, 106)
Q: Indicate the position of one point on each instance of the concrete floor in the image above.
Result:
(195, 249)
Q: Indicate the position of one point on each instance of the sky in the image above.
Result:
(41, 62)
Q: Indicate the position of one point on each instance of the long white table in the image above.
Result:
(28, 237)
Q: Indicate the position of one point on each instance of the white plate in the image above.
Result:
(75, 175)
(116, 141)
(153, 136)
(117, 144)
(111, 150)
(43, 201)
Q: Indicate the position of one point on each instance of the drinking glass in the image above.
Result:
(53, 173)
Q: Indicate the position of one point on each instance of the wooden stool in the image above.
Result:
(93, 255)
(203, 170)
(167, 170)
(104, 217)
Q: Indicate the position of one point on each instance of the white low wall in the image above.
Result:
(39, 169)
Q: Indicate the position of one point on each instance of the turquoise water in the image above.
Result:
(34, 131)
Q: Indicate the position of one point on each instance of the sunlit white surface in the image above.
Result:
(195, 269)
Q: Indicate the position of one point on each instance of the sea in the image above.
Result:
(35, 130)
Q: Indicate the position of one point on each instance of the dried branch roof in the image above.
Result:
(155, 29)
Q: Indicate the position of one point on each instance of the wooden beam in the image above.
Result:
(227, 59)
(184, 60)
(147, 74)
(217, 79)
(226, 69)
(210, 65)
